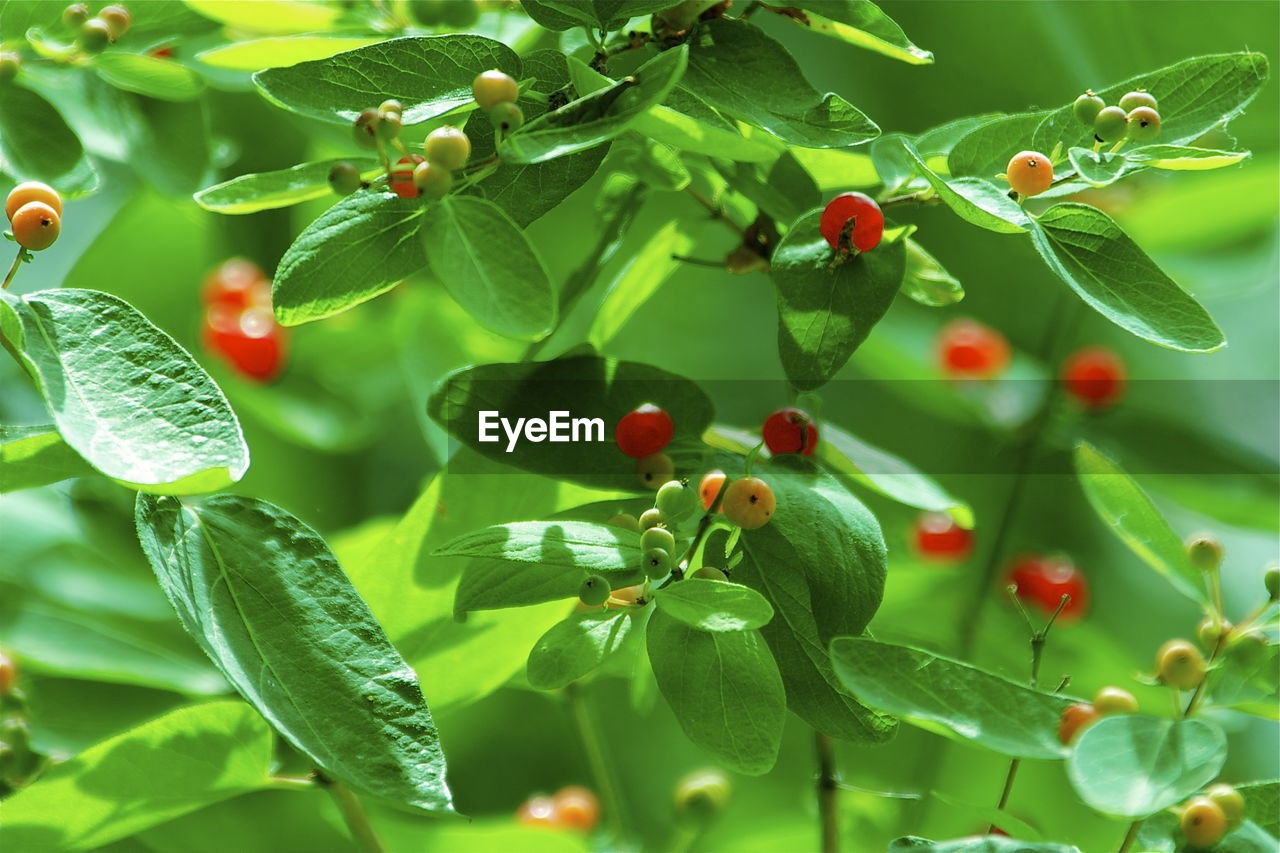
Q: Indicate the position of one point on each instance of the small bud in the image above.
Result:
(701, 795)
(391, 105)
(1205, 552)
(1272, 581)
(94, 36)
(75, 15)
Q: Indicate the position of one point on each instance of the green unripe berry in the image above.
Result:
(1204, 552)
(117, 18)
(75, 15)
(388, 126)
(1272, 582)
(365, 128)
(506, 117)
(460, 14)
(491, 88)
(1087, 107)
(433, 180)
(1138, 98)
(677, 499)
(701, 795)
(1210, 631)
(448, 147)
(594, 591)
(427, 12)
(658, 537)
(626, 521)
(1110, 124)
(1143, 124)
(9, 65)
(94, 36)
(344, 178)
(656, 563)
(651, 518)
(655, 469)
(1230, 801)
(710, 573)
(390, 105)
(1180, 665)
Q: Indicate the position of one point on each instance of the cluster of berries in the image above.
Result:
(34, 211)
(1135, 118)
(95, 32)
(1079, 716)
(239, 326)
(572, 807)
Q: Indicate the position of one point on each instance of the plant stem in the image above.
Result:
(828, 790)
(594, 746)
(927, 197)
(1213, 656)
(13, 270)
(353, 814)
(1130, 836)
(717, 212)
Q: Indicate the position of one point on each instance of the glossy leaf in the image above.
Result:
(1098, 168)
(711, 605)
(279, 51)
(265, 598)
(576, 646)
(37, 144)
(36, 456)
(859, 23)
(926, 281)
(599, 14)
(269, 16)
(643, 276)
(1187, 158)
(1262, 804)
(977, 844)
(149, 75)
(594, 548)
(985, 150)
(687, 123)
(124, 395)
(268, 190)
(976, 201)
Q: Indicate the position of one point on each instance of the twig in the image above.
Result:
(353, 814)
(13, 270)
(594, 746)
(828, 789)
(1130, 836)
(717, 212)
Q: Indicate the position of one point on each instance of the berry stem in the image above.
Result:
(353, 814)
(594, 746)
(828, 791)
(717, 212)
(922, 198)
(1130, 836)
(13, 270)
(1213, 656)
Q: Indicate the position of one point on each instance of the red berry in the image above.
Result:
(250, 340)
(402, 176)
(644, 431)
(1076, 718)
(852, 219)
(1044, 580)
(938, 537)
(1095, 376)
(8, 674)
(790, 431)
(969, 350)
(710, 487)
(237, 284)
(577, 808)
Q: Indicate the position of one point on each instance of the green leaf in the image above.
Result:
(36, 456)
(724, 688)
(1244, 678)
(1013, 826)
(282, 188)
(1117, 279)
(279, 51)
(1162, 834)
(599, 116)
(1134, 765)
(976, 201)
(977, 844)
(926, 281)
(36, 144)
(687, 123)
(361, 247)
(149, 75)
(428, 75)
(173, 138)
(594, 548)
(825, 313)
(1186, 158)
(597, 14)
(527, 191)
(1097, 168)
(985, 150)
(1262, 804)
(859, 23)
(641, 277)
(951, 698)
(265, 598)
(852, 459)
(576, 646)
(587, 386)
(711, 605)
(736, 67)
(269, 16)
(1129, 513)
(125, 396)
(168, 767)
(489, 266)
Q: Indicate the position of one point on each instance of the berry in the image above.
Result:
(1180, 665)
(117, 19)
(1110, 124)
(250, 340)
(9, 65)
(1029, 173)
(1087, 107)
(1114, 700)
(8, 674)
(658, 537)
(1044, 580)
(1138, 98)
(1075, 718)
(402, 181)
(391, 105)
(656, 563)
(427, 12)
(1271, 580)
(625, 520)
(644, 431)
(434, 181)
(701, 795)
(655, 469)
(344, 178)
(1143, 124)
(537, 811)
(1230, 801)
(790, 431)
(709, 489)
(676, 499)
(75, 15)
(36, 226)
(31, 191)
(95, 35)
(491, 88)
(1203, 824)
(388, 125)
(651, 518)
(594, 591)
(365, 128)
(576, 808)
(711, 573)
(506, 117)
(447, 147)
(237, 284)
(1210, 631)
(938, 537)
(1204, 551)
(1095, 377)
(626, 597)
(852, 219)
(749, 503)
(969, 350)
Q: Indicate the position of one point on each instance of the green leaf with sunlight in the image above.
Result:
(860, 23)
(36, 456)
(269, 16)
(606, 15)
(282, 188)
(638, 281)
(926, 281)
(576, 646)
(37, 144)
(711, 605)
(149, 75)
(976, 201)
(279, 51)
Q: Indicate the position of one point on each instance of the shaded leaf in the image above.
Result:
(711, 605)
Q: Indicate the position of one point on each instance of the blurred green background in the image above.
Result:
(343, 437)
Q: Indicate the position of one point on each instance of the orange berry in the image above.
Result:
(1029, 173)
(36, 226)
(1076, 718)
(30, 191)
(748, 503)
(537, 811)
(577, 808)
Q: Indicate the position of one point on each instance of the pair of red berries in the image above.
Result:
(1043, 580)
(239, 325)
(572, 807)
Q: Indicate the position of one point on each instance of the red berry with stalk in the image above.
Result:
(1094, 376)
(1043, 580)
(401, 180)
(644, 431)
(249, 340)
(968, 349)
(790, 431)
(237, 284)
(939, 538)
(852, 221)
